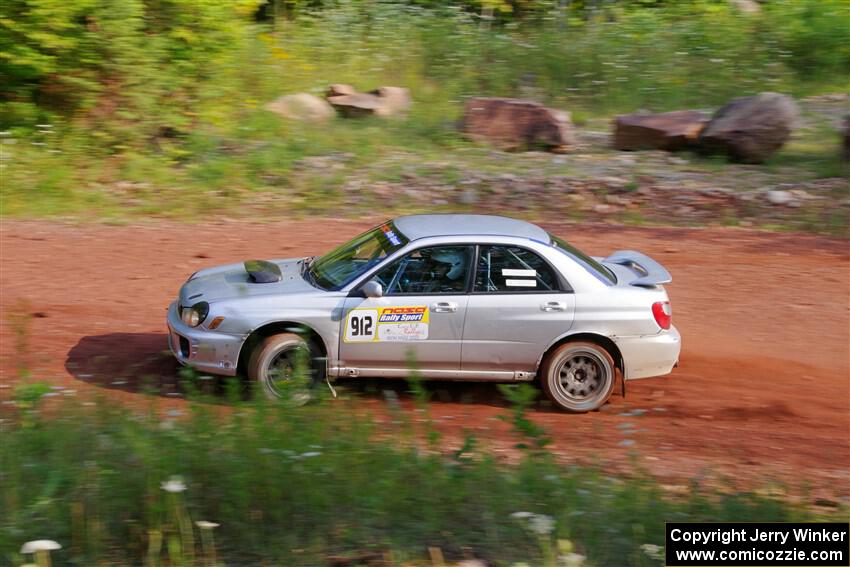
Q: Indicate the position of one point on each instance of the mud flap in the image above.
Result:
(623, 383)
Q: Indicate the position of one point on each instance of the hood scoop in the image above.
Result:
(261, 271)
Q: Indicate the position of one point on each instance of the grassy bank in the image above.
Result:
(294, 486)
(176, 126)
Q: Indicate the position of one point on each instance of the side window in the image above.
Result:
(512, 269)
(438, 269)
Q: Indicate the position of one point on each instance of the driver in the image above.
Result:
(447, 269)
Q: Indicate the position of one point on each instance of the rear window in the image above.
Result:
(601, 273)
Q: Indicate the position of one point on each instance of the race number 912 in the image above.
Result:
(361, 325)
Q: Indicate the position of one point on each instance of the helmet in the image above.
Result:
(456, 259)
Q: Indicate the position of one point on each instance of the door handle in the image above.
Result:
(554, 306)
(444, 307)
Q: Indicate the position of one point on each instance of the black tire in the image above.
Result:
(274, 367)
(578, 376)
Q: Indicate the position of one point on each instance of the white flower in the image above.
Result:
(40, 545)
(521, 515)
(572, 560)
(173, 484)
(653, 551)
(542, 524)
(204, 525)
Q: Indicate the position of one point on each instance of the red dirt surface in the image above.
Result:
(761, 398)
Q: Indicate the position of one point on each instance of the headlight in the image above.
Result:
(195, 315)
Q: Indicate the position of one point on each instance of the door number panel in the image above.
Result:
(387, 324)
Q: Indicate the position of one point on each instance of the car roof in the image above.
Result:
(415, 227)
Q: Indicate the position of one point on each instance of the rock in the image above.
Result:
(301, 106)
(746, 6)
(751, 129)
(514, 124)
(383, 101)
(340, 89)
(802, 195)
(779, 197)
(667, 131)
(355, 105)
(395, 100)
(468, 196)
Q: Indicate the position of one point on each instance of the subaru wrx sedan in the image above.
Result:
(467, 297)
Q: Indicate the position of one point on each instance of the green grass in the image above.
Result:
(226, 155)
(292, 486)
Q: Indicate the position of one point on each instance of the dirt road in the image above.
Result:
(762, 394)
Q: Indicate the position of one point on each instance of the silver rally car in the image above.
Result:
(468, 297)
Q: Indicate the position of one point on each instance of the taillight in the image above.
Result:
(663, 313)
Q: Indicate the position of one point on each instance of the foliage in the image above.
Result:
(522, 397)
(28, 395)
(135, 69)
(293, 485)
(123, 67)
(157, 107)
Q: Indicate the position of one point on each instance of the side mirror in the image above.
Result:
(372, 289)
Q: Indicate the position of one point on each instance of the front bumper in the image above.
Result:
(650, 355)
(206, 351)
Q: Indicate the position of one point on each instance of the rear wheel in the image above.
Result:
(578, 376)
(284, 367)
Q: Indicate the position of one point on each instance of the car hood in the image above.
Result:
(233, 280)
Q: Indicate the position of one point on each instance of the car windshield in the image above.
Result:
(602, 273)
(338, 268)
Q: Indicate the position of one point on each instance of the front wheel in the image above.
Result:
(284, 367)
(578, 376)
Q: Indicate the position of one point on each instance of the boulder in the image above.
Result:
(779, 197)
(667, 131)
(383, 101)
(751, 129)
(513, 124)
(394, 100)
(340, 89)
(746, 6)
(301, 106)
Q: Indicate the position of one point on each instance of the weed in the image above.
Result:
(522, 397)
(290, 485)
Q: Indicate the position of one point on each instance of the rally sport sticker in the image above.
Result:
(387, 324)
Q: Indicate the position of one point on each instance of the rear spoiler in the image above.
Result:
(649, 271)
